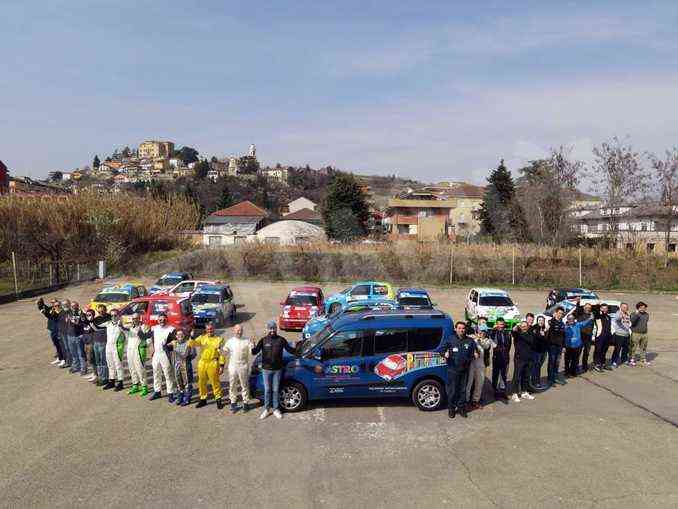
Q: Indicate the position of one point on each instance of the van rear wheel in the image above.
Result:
(293, 397)
(428, 395)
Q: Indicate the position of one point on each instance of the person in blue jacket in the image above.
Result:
(573, 343)
(459, 351)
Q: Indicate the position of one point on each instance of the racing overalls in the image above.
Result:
(239, 352)
(136, 353)
(115, 341)
(182, 360)
(208, 365)
(161, 363)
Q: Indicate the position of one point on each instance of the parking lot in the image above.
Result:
(603, 440)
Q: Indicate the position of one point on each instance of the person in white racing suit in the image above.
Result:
(115, 341)
(239, 353)
(137, 336)
(161, 335)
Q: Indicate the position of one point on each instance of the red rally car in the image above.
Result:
(178, 310)
(300, 306)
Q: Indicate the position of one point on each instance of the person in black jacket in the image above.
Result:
(555, 338)
(582, 314)
(51, 312)
(459, 352)
(523, 341)
(501, 347)
(271, 347)
(540, 347)
(62, 329)
(603, 340)
(74, 330)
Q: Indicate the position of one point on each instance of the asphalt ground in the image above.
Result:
(603, 440)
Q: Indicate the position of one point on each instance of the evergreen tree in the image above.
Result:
(345, 210)
(225, 200)
(96, 163)
(500, 216)
(201, 169)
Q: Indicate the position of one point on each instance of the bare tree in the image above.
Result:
(547, 188)
(665, 180)
(617, 175)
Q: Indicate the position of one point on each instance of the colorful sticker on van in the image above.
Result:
(396, 365)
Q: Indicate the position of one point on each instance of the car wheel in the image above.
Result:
(334, 308)
(428, 395)
(293, 397)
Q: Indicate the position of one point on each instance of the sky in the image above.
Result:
(435, 90)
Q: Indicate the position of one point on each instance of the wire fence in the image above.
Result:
(23, 278)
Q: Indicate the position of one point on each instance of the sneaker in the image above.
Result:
(170, 398)
(55, 362)
(526, 395)
(632, 364)
(265, 414)
(515, 398)
(598, 369)
(144, 391)
(233, 408)
(201, 403)
(154, 396)
(245, 408)
(277, 413)
(62, 364)
(92, 378)
(614, 365)
(647, 364)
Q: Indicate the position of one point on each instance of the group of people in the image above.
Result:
(476, 347)
(99, 341)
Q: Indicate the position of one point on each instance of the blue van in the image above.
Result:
(375, 354)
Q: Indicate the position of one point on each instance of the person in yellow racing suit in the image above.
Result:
(210, 365)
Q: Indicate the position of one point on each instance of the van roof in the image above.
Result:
(397, 318)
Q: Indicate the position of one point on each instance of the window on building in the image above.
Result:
(650, 247)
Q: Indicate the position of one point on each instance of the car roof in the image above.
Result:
(371, 302)
(309, 289)
(498, 291)
(160, 296)
(115, 289)
(397, 318)
(418, 291)
(176, 274)
(370, 283)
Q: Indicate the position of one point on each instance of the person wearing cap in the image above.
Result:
(271, 347)
(210, 365)
(476, 375)
(160, 336)
(239, 355)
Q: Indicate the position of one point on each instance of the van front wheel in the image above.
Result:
(428, 395)
(293, 397)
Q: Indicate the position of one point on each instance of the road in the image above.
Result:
(603, 440)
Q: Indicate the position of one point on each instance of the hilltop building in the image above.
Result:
(154, 149)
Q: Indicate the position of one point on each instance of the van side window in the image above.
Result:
(360, 290)
(424, 339)
(343, 344)
(390, 341)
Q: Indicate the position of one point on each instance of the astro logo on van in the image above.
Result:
(341, 370)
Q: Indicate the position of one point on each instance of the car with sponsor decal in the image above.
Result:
(213, 303)
(557, 295)
(357, 306)
(117, 296)
(301, 304)
(414, 298)
(491, 303)
(167, 281)
(570, 307)
(362, 290)
(374, 355)
(179, 310)
(186, 288)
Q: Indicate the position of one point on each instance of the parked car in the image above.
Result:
(117, 297)
(491, 303)
(414, 298)
(167, 281)
(178, 310)
(186, 288)
(359, 291)
(570, 306)
(301, 304)
(560, 294)
(358, 306)
(212, 303)
(384, 355)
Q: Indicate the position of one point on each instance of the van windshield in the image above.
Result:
(414, 301)
(206, 298)
(112, 297)
(308, 344)
(301, 299)
(169, 281)
(495, 300)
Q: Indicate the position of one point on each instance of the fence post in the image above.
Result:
(580, 271)
(451, 264)
(77, 272)
(16, 281)
(513, 265)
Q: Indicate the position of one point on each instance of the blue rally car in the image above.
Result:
(167, 281)
(358, 306)
(414, 298)
(362, 290)
(381, 354)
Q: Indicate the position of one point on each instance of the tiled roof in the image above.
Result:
(303, 215)
(242, 209)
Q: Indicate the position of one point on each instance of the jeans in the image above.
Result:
(586, 339)
(554, 361)
(538, 362)
(54, 336)
(624, 347)
(456, 388)
(271, 388)
(65, 349)
(572, 360)
(521, 374)
(499, 368)
(78, 362)
(615, 341)
(100, 361)
(600, 351)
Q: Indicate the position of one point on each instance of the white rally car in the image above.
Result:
(491, 303)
